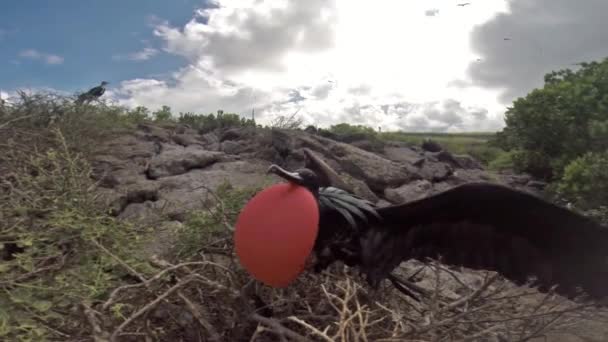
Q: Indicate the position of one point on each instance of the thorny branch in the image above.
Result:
(335, 305)
(220, 203)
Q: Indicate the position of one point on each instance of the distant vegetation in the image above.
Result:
(560, 133)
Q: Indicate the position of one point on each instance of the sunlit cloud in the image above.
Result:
(332, 61)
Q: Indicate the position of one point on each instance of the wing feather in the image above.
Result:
(488, 226)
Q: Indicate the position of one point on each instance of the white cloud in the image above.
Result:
(385, 65)
(45, 57)
(4, 95)
(142, 55)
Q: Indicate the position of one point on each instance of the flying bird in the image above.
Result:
(463, 4)
(93, 93)
(476, 225)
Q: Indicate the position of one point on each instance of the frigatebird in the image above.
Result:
(93, 93)
(476, 225)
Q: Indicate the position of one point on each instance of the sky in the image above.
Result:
(417, 65)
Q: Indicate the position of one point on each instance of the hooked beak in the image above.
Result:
(289, 176)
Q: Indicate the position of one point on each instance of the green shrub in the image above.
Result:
(204, 226)
(559, 122)
(502, 162)
(207, 123)
(163, 114)
(585, 180)
(59, 246)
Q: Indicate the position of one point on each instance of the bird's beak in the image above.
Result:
(289, 176)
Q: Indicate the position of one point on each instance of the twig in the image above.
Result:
(149, 306)
(278, 327)
(114, 293)
(220, 203)
(122, 263)
(98, 334)
(314, 330)
(473, 295)
(28, 275)
(214, 336)
(15, 120)
(453, 275)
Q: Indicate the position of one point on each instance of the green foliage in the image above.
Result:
(556, 124)
(585, 180)
(353, 132)
(83, 126)
(207, 123)
(138, 114)
(163, 114)
(203, 227)
(502, 162)
(58, 244)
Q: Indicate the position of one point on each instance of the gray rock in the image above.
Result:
(188, 191)
(231, 134)
(435, 172)
(361, 189)
(409, 192)
(467, 162)
(175, 160)
(231, 147)
(402, 154)
(187, 139)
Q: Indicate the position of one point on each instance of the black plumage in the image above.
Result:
(476, 225)
(93, 93)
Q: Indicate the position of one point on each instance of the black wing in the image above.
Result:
(96, 91)
(492, 227)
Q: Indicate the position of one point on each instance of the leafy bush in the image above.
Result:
(556, 124)
(58, 245)
(585, 180)
(502, 162)
(163, 114)
(207, 123)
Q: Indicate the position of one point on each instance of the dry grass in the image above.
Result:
(212, 299)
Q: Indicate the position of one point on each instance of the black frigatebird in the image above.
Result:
(476, 225)
(93, 93)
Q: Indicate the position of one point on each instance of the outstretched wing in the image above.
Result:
(493, 227)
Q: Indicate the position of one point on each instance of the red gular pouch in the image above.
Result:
(276, 232)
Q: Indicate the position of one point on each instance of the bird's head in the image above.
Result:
(303, 177)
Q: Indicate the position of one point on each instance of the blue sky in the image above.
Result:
(71, 45)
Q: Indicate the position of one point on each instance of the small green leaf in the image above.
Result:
(42, 305)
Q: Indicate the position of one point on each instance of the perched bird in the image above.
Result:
(93, 93)
(476, 225)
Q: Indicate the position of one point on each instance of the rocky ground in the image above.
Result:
(171, 168)
(158, 174)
